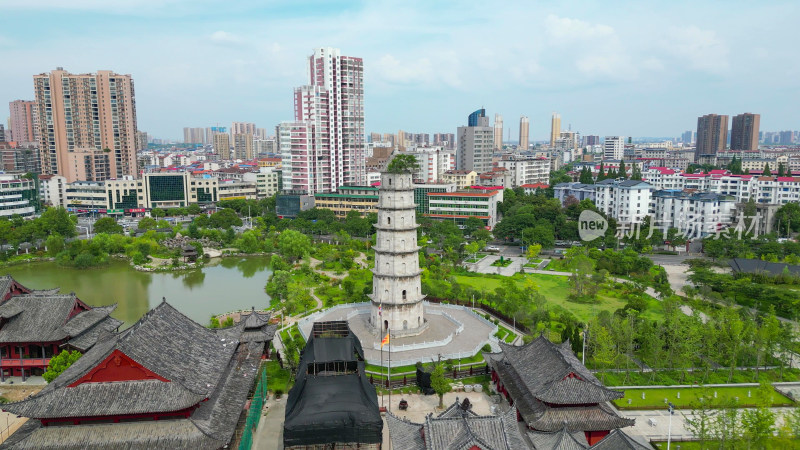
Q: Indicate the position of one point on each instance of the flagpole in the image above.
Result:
(389, 332)
(381, 324)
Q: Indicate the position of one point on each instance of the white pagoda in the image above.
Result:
(396, 288)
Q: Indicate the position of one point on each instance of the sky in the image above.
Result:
(632, 68)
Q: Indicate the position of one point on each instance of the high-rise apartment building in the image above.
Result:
(142, 139)
(498, 132)
(524, 130)
(325, 146)
(2, 133)
(22, 120)
(614, 147)
(688, 137)
(195, 136)
(475, 144)
(211, 131)
(222, 145)
(447, 140)
(712, 134)
(744, 131)
(87, 124)
(243, 146)
(555, 129)
(243, 128)
(786, 137)
(591, 139)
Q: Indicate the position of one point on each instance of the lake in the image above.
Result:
(223, 285)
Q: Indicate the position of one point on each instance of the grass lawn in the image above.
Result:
(478, 358)
(505, 334)
(476, 258)
(671, 377)
(277, 378)
(654, 397)
(775, 443)
(556, 289)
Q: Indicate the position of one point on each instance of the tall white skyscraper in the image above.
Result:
(475, 142)
(325, 146)
(498, 132)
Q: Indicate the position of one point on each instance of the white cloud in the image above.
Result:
(566, 29)
(700, 49)
(223, 37)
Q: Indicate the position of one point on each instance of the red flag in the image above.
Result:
(385, 340)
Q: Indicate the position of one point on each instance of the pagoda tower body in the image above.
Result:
(396, 288)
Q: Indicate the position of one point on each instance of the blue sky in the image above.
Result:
(641, 68)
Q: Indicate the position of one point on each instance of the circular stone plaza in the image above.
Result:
(420, 331)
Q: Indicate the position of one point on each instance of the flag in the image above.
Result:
(380, 310)
(385, 340)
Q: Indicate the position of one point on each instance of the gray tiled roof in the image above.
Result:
(618, 440)
(404, 435)
(208, 368)
(540, 374)
(558, 440)
(42, 317)
(456, 428)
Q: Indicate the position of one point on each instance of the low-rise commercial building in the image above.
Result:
(461, 178)
(459, 206)
(363, 199)
(17, 196)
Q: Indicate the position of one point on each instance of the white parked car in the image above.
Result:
(492, 248)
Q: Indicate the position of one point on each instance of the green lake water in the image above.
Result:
(223, 285)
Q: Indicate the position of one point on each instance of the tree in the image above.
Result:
(147, 223)
(781, 170)
(636, 173)
(225, 218)
(759, 423)
(193, 209)
(622, 172)
(533, 251)
(766, 172)
(439, 383)
(604, 349)
(54, 244)
(403, 164)
(735, 166)
(59, 364)
(585, 176)
(788, 217)
(293, 244)
(108, 225)
(601, 175)
(158, 213)
(699, 423)
(58, 220)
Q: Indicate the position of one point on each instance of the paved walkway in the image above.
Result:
(269, 434)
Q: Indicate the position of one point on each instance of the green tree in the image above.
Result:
(225, 218)
(439, 383)
(781, 170)
(59, 363)
(54, 244)
(107, 225)
(193, 209)
(623, 171)
(636, 173)
(766, 172)
(735, 166)
(759, 423)
(157, 213)
(601, 175)
(700, 422)
(147, 223)
(403, 163)
(604, 350)
(533, 251)
(293, 245)
(585, 176)
(58, 220)
(788, 218)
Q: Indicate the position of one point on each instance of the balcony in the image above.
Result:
(7, 363)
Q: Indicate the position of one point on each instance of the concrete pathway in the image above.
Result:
(269, 434)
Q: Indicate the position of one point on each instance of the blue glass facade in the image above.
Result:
(473, 118)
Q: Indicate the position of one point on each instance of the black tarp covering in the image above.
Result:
(424, 382)
(334, 408)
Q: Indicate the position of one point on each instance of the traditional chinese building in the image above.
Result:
(167, 382)
(551, 390)
(332, 403)
(458, 427)
(36, 325)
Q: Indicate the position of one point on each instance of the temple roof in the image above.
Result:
(619, 440)
(540, 374)
(457, 428)
(558, 440)
(256, 327)
(44, 317)
(207, 369)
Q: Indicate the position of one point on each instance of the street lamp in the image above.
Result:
(671, 409)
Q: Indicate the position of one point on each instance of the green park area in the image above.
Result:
(278, 379)
(556, 290)
(654, 398)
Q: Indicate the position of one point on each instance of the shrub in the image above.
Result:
(486, 348)
(278, 393)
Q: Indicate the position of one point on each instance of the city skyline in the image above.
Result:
(582, 61)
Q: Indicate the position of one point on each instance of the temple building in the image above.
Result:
(458, 427)
(397, 293)
(332, 403)
(166, 382)
(36, 325)
(551, 390)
